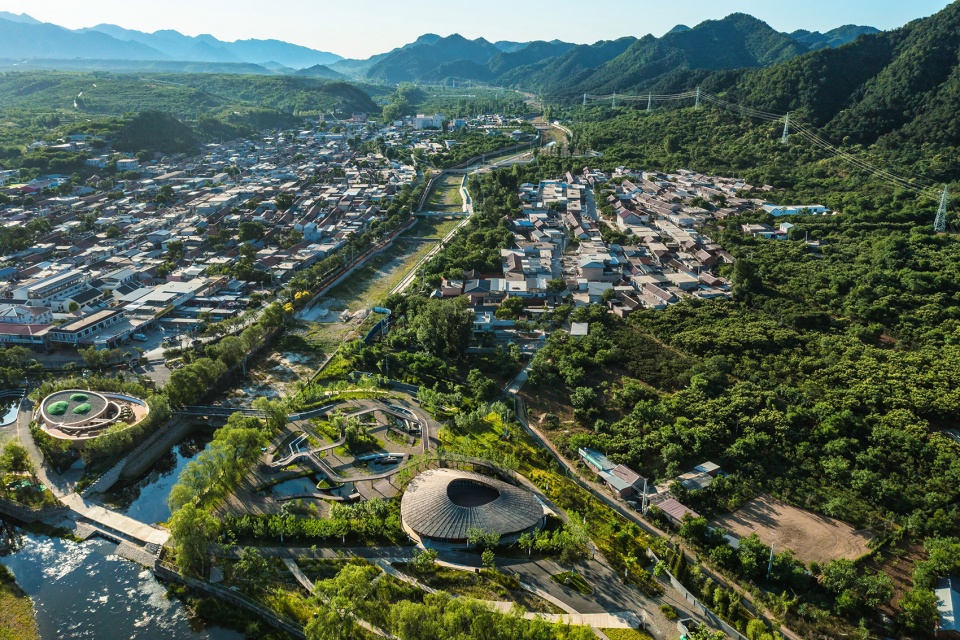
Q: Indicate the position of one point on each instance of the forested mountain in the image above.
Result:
(896, 87)
(572, 67)
(532, 53)
(553, 67)
(833, 38)
(359, 68)
(626, 64)
(420, 61)
(735, 42)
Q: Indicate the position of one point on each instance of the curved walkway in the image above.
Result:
(369, 406)
(336, 477)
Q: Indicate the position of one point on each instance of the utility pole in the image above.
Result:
(786, 129)
(770, 563)
(649, 101)
(940, 223)
(697, 104)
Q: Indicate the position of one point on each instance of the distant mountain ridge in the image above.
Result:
(20, 40)
(206, 48)
(23, 37)
(564, 69)
(320, 71)
(833, 38)
(18, 17)
(554, 67)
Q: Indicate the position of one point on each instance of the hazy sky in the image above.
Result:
(364, 27)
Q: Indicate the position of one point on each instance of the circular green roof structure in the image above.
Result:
(78, 416)
(442, 505)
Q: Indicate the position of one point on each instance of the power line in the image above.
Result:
(916, 184)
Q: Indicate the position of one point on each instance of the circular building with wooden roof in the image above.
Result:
(442, 505)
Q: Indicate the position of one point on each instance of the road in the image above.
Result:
(591, 211)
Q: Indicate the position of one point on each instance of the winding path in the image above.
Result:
(426, 424)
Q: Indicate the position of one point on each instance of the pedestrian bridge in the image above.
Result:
(115, 525)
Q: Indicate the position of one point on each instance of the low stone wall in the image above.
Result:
(25, 514)
(147, 452)
(164, 573)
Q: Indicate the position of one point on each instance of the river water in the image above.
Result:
(86, 591)
(146, 499)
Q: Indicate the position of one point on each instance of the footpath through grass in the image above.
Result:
(445, 196)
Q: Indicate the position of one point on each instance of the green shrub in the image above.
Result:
(58, 408)
(83, 408)
(79, 397)
(668, 611)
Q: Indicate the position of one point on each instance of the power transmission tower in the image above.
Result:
(614, 99)
(786, 129)
(584, 99)
(649, 101)
(697, 104)
(940, 224)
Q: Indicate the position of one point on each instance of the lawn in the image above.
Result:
(625, 634)
(367, 287)
(370, 284)
(445, 196)
(573, 580)
(431, 228)
(16, 610)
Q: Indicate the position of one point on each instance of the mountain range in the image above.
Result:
(899, 86)
(627, 64)
(23, 37)
(553, 67)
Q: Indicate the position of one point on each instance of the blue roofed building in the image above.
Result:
(948, 604)
(623, 481)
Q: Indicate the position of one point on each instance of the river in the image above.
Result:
(84, 590)
(146, 498)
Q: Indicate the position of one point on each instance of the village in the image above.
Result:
(560, 249)
(173, 243)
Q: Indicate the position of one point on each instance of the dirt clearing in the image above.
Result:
(812, 537)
